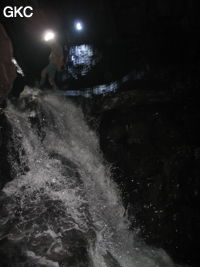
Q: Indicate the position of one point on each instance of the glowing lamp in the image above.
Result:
(49, 36)
(79, 26)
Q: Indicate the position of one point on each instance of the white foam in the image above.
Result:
(67, 134)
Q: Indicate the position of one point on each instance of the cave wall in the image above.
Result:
(155, 153)
(163, 32)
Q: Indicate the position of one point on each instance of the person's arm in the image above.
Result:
(7, 68)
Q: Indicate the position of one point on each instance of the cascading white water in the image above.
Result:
(67, 189)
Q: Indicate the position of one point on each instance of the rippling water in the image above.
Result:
(62, 207)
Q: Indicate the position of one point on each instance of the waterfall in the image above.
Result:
(62, 207)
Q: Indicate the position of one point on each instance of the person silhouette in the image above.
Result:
(56, 58)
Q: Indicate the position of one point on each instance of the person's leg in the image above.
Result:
(43, 76)
(52, 74)
(53, 83)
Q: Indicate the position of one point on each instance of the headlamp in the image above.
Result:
(79, 26)
(49, 36)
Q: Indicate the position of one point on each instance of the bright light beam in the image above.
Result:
(79, 26)
(49, 35)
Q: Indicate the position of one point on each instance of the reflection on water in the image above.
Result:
(81, 59)
(107, 88)
(97, 90)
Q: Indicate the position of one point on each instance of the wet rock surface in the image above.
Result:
(155, 154)
(151, 137)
